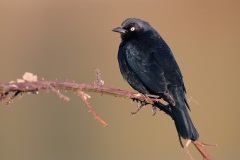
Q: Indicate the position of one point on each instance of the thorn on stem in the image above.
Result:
(100, 82)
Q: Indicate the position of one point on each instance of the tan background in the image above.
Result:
(70, 39)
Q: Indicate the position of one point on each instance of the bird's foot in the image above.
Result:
(140, 104)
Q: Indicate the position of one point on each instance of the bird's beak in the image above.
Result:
(119, 30)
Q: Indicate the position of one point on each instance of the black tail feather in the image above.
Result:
(183, 123)
(181, 116)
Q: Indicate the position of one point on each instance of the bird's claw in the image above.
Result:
(139, 106)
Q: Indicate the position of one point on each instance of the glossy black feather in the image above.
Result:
(148, 65)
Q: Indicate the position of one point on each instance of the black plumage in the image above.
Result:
(148, 65)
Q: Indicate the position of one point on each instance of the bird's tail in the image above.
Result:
(183, 122)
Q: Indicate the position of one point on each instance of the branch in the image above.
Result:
(74, 86)
(29, 84)
(33, 87)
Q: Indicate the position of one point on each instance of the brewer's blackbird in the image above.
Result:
(148, 65)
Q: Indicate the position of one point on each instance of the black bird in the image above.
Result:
(148, 65)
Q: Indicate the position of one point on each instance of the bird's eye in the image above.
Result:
(132, 29)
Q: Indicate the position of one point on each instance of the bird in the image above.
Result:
(147, 63)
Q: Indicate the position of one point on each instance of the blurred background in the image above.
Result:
(70, 39)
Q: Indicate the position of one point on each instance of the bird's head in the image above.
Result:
(133, 28)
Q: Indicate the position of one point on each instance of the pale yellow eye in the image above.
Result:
(132, 29)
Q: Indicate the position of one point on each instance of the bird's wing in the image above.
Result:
(147, 69)
(167, 62)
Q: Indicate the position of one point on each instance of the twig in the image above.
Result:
(84, 97)
(58, 93)
(200, 147)
(188, 153)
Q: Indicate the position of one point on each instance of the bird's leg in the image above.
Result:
(140, 104)
(167, 97)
